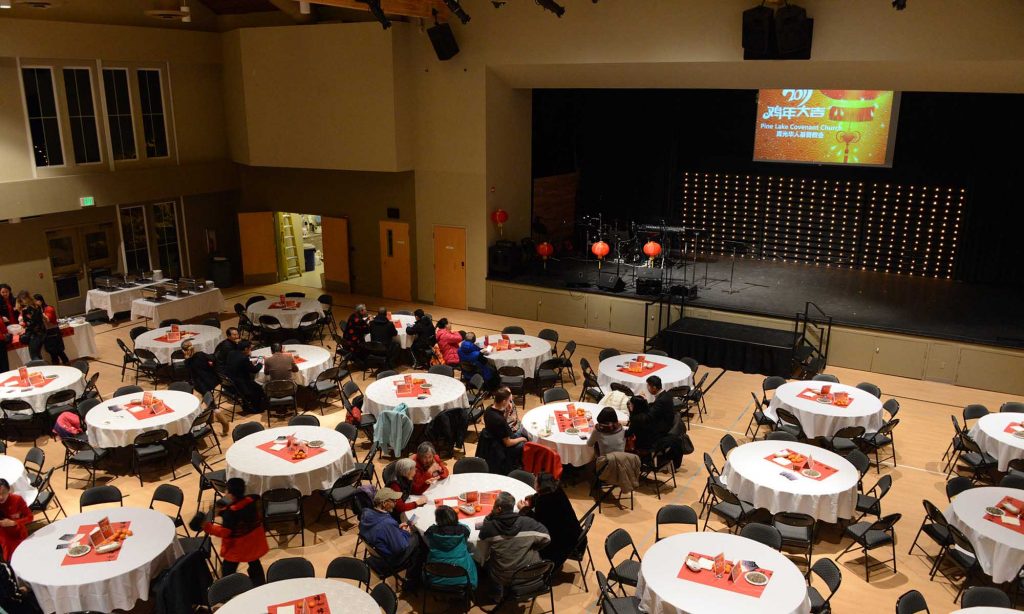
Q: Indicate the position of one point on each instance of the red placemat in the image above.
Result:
(996, 519)
(404, 391)
(564, 421)
(825, 470)
(16, 343)
(486, 502)
(316, 604)
(35, 380)
(141, 412)
(287, 305)
(707, 577)
(169, 338)
(655, 366)
(286, 454)
(93, 556)
(296, 358)
(1009, 427)
(397, 323)
(842, 400)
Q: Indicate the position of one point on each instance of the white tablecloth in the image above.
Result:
(109, 429)
(263, 471)
(317, 360)
(445, 393)
(102, 587)
(661, 591)
(180, 308)
(114, 302)
(205, 341)
(527, 358)
(404, 340)
(452, 486)
(80, 343)
(674, 374)
(820, 419)
(1000, 549)
(67, 377)
(990, 434)
(13, 470)
(986, 610)
(343, 597)
(289, 318)
(573, 449)
(759, 481)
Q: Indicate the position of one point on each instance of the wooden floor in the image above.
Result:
(921, 437)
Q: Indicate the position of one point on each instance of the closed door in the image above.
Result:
(257, 236)
(77, 256)
(337, 275)
(395, 268)
(450, 267)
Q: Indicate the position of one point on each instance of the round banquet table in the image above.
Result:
(263, 470)
(99, 586)
(755, 479)
(66, 378)
(661, 591)
(13, 470)
(528, 358)
(341, 597)
(315, 360)
(115, 429)
(823, 420)
(452, 486)
(986, 610)
(289, 318)
(404, 340)
(675, 373)
(445, 393)
(205, 339)
(990, 434)
(573, 449)
(1000, 549)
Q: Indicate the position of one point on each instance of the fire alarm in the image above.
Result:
(493, 189)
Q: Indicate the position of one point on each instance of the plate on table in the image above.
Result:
(572, 430)
(811, 473)
(824, 400)
(79, 550)
(1018, 434)
(756, 578)
(316, 443)
(426, 385)
(994, 511)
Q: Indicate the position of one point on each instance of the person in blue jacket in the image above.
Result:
(394, 543)
(448, 541)
(469, 352)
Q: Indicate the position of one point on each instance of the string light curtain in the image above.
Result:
(885, 227)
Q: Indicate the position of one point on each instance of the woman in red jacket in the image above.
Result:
(240, 531)
(448, 341)
(429, 468)
(14, 519)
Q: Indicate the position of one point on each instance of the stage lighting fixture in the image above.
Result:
(456, 9)
(899, 5)
(378, 12)
(551, 5)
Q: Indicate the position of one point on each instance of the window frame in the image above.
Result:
(164, 106)
(131, 115)
(146, 230)
(28, 120)
(100, 133)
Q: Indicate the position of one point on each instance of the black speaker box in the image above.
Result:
(443, 40)
(648, 286)
(684, 290)
(502, 258)
(574, 278)
(610, 281)
(758, 30)
(790, 29)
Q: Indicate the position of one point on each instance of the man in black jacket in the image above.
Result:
(423, 345)
(230, 344)
(662, 409)
(241, 370)
(382, 330)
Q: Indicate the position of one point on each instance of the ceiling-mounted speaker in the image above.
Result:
(792, 31)
(758, 31)
(443, 40)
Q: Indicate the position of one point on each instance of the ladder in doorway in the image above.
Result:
(291, 248)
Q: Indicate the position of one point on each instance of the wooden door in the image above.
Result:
(337, 274)
(450, 267)
(77, 256)
(259, 247)
(395, 267)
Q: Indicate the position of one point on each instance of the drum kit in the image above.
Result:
(679, 244)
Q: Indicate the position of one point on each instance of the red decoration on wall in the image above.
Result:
(545, 250)
(652, 249)
(499, 217)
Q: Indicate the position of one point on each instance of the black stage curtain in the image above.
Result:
(736, 347)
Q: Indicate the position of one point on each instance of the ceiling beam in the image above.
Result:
(291, 9)
(407, 8)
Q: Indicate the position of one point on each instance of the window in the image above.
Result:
(119, 113)
(81, 115)
(136, 243)
(152, 104)
(165, 223)
(42, 116)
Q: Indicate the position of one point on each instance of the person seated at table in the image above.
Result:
(394, 542)
(15, 598)
(448, 341)
(662, 409)
(204, 378)
(608, 435)
(15, 516)
(470, 353)
(643, 430)
(356, 328)
(429, 468)
(551, 507)
(53, 340)
(5, 340)
(8, 305)
(448, 540)
(423, 345)
(401, 482)
(496, 424)
(31, 318)
(241, 370)
(240, 530)
(228, 345)
(509, 541)
(279, 365)
(383, 331)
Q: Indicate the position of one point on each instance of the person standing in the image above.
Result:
(53, 340)
(15, 516)
(241, 531)
(32, 320)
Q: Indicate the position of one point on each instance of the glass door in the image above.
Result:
(77, 256)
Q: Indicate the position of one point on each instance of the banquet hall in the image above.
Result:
(565, 305)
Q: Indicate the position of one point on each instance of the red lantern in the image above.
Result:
(599, 249)
(499, 217)
(545, 250)
(652, 249)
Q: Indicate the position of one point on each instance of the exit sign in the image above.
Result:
(87, 201)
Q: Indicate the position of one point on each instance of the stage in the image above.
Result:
(943, 309)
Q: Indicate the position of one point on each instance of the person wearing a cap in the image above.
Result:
(394, 542)
(240, 530)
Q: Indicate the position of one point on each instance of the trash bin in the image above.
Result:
(219, 271)
(309, 251)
